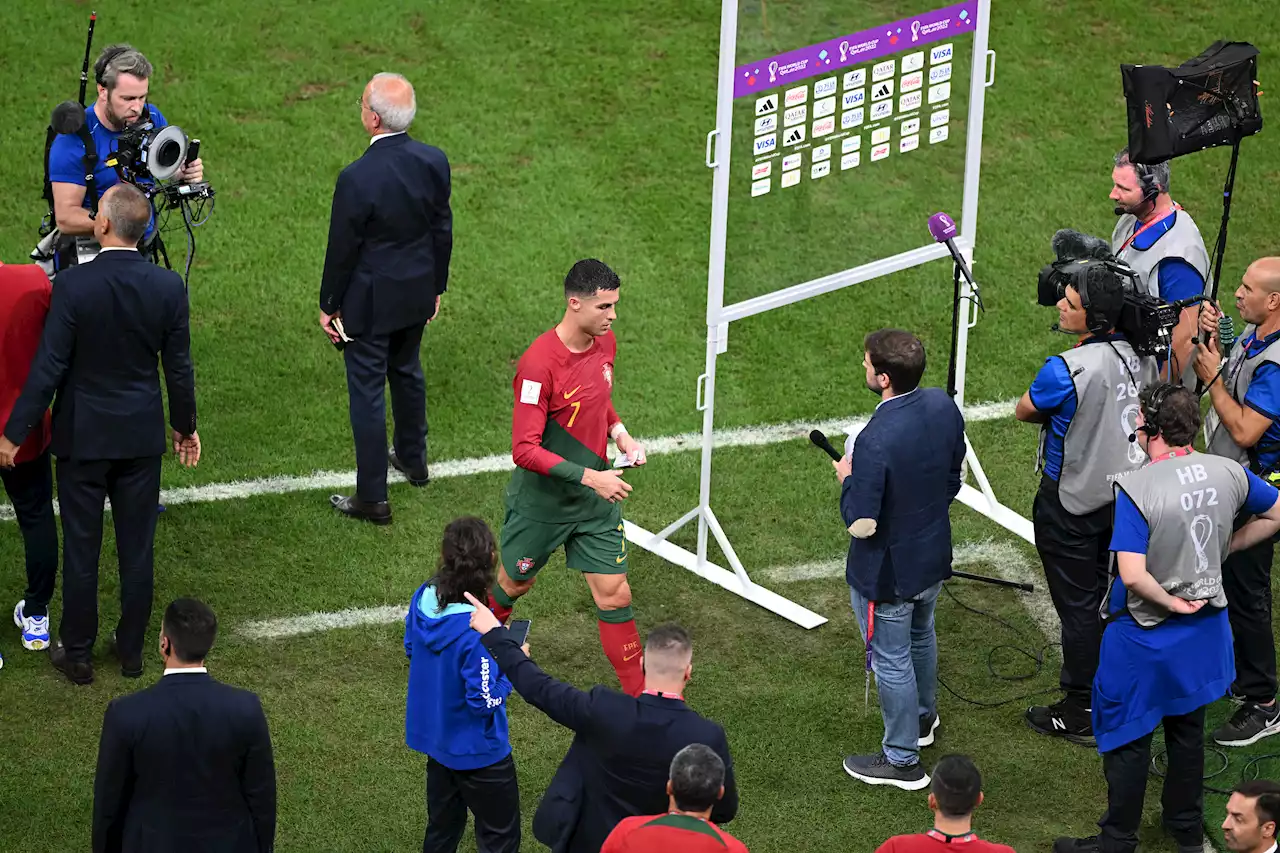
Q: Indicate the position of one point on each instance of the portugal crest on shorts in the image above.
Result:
(524, 564)
(607, 371)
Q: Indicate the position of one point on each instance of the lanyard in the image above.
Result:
(662, 695)
(1181, 451)
(871, 630)
(952, 839)
(1135, 234)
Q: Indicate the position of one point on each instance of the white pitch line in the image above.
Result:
(734, 437)
(313, 623)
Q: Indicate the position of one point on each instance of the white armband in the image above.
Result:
(618, 429)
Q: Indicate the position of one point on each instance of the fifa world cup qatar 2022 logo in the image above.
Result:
(1129, 425)
(915, 31)
(773, 72)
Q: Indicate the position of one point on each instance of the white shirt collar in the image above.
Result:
(898, 396)
(378, 136)
(1273, 848)
(185, 669)
(116, 249)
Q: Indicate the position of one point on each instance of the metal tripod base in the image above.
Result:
(736, 581)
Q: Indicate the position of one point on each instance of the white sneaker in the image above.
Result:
(35, 629)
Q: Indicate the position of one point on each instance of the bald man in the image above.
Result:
(390, 239)
(1244, 424)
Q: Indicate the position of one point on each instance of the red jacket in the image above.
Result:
(25, 292)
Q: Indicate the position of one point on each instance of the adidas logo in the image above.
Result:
(766, 105)
(794, 136)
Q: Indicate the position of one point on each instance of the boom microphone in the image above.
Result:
(68, 117)
(943, 229)
(1071, 245)
(820, 440)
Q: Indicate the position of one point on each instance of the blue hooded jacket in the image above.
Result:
(457, 705)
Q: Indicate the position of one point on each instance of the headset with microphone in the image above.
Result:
(1148, 182)
(1155, 398)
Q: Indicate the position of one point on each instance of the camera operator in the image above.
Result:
(1160, 242)
(123, 76)
(1086, 400)
(1243, 425)
(1166, 650)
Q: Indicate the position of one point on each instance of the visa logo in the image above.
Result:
(940, 92)
(880, 152)
(790, 179)
(765, 144)
(913, 62)
(791, 161)
(854, 79)
(823, 126)
(909, 101)
(911, 82)
(850, 161)
(768, 124)
(939, 118)
(882, 90)
(881, 70)
(820, 170)
(761, 170)
(824, 87)
(795, 115)
(939, 74)
(909, 127)
(908, 143)
(941, 53)
(767, 104)
(938, 134)
(884, 109)
(853, 99)
(825, 107)
(853, 118)
(794, 136)
(798, 95)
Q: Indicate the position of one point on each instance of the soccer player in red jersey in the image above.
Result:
(955, 792)
(564, 491)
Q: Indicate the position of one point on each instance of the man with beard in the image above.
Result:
(896, 489)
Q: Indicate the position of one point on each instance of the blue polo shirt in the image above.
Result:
(66, 157)
(1054, 394)
(1184, 663)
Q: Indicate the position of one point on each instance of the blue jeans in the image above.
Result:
(904, 657)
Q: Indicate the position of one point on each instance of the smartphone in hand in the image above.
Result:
(519, 629)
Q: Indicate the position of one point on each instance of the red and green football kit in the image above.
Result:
(668, 833)
(559, 427)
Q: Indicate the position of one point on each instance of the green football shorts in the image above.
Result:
(595, 546)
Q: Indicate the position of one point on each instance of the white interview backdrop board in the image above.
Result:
(842, 149)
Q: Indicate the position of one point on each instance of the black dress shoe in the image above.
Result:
(416, 477)
(129, 669)
(378, 513)
(76, 673)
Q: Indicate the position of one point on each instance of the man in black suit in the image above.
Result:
(110, 322)
(620, 759)
(390, 238)
(185, 764)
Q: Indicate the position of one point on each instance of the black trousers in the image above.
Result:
(133, 485)
(1246, 579)
(373, 362)
(1126, 770)
(492, 795)
(30, 489)
(1075, 551)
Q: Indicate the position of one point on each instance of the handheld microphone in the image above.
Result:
(943, 229)
(820, 440)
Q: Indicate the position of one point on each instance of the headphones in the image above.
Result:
(100, 67)
(1156, 395)
(1094, 321)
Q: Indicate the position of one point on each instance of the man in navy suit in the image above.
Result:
(896, 491)
(185, 764)
(620, 760)
(110, 322)
(390, 238)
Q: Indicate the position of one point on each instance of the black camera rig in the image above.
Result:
(147, 157)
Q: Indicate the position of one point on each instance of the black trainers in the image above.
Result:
(877, 770)
(1076, 845)
(1065, 719)
(928, 725)
(1249, 724)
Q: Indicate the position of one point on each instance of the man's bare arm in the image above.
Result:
(68, 211)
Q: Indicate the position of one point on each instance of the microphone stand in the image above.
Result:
(952, 391)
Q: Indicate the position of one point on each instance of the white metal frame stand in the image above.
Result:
(719, 316)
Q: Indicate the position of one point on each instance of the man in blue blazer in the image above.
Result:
(896, 491)
(111, 322)
(390, 240)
